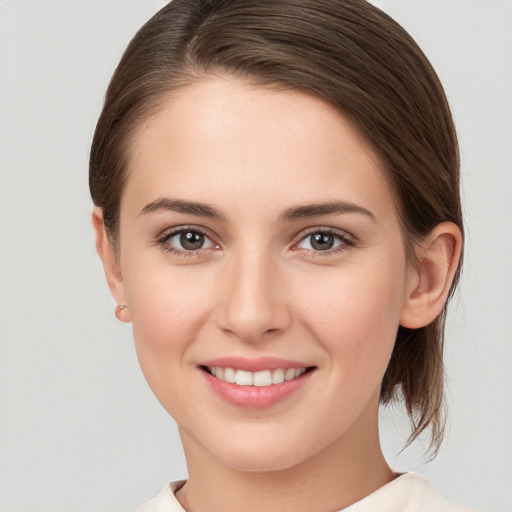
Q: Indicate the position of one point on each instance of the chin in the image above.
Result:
(258, 462)
(259, 457)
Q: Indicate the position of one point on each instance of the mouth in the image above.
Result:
(256, 383)
(263, 378)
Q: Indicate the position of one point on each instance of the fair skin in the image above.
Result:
(266, 282)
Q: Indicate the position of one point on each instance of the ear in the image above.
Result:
(111, 266)
(430, 281)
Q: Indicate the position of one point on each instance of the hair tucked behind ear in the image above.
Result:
(351, 55)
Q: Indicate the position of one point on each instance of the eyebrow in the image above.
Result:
(328, 208)
(291, 214)
(180, 206)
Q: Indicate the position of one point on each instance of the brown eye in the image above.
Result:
(188, 240)
(191, 241)
(322, 241)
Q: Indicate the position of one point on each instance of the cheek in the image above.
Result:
(168, 309)
(355, 312)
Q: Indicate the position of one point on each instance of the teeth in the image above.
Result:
(262, 378)
(243, 378)
(289, 374)
(278, 376)
(229, 375)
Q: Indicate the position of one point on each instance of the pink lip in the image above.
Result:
(254, 397)
(253, 365)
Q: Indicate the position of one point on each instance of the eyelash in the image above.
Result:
(164, 238)
(345, 242)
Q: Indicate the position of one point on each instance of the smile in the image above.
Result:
(255, 383)
(260, 378)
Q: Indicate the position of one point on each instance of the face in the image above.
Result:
(264, 269)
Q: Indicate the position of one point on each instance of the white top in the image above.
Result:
(407, 493)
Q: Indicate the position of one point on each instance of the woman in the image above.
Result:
(278, 214)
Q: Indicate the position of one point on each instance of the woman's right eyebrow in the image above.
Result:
(182, 206)
(291, 214)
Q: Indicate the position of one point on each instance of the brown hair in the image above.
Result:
(351, 55)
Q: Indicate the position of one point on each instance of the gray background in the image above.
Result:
(79, 428)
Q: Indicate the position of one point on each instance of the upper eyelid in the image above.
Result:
(162, 241)
(324, 229)
(347, 240)
(169, 232)
(341, 233)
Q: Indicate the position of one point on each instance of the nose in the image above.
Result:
(252, 300)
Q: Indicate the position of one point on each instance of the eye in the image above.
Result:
(187, 240)
(324, 241)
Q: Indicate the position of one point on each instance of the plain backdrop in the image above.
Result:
(79, 428)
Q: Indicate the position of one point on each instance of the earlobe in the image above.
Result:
(111, 265)
(429, 284)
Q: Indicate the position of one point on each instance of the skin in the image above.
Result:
(259, 288)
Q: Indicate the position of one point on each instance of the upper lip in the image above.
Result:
(253, 365)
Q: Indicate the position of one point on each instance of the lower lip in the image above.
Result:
(255, 397)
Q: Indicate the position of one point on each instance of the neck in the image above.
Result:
(338, 476)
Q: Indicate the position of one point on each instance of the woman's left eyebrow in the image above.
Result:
(328, 208)
(290, 214)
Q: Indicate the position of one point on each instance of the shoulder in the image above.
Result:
(424, 497)
(407, 493)
(165, 501)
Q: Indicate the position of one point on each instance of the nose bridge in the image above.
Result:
(252, 304)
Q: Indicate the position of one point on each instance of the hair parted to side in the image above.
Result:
(351, 55)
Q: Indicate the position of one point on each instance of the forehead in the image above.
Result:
(220, 105)
(274, 143)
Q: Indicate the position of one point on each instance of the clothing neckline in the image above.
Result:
(174, 487)
(408, 492)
